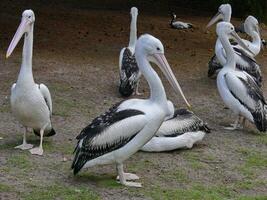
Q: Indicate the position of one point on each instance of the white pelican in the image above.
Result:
(179, 24)
(120, 132)
(243, 62)
(31, 103)
(181, 130)
(237, 89)
(129, 72)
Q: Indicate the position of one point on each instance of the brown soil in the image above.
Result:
(76, 55)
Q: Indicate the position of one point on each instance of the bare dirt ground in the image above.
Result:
(76, 55)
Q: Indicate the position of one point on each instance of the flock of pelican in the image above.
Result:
(151, 124)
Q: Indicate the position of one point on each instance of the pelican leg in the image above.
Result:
(136, 92)
(233, 126)
(39, 150)
(241, 123)
(24, 145)
(123, 177)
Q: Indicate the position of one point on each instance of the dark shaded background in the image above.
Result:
(241, 8)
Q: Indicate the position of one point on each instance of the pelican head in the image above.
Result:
(134, 11)
(251, 25)
(153, 50)
(226, 28)
(224, 13)
(173, 15)
(25, 26)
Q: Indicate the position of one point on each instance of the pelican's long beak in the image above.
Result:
(166, 69)
(216, 18)
(241, 43)
(20, 31)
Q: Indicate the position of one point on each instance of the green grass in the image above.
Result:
(262, 139)
(254, 161)
(196, 192)
(103, 180)
(4, 187)
(20, 161)
(253, 197)
(58, 191)
(193, 160)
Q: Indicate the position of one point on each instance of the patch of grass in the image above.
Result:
(58, 191)
(262, 139)
(250, 184)
(197, 192)
(253, 197)
(254, 161)
(4, 109)
(20, 161)
(193, 159)
(63, 107)
(105, 180)
(4, 187)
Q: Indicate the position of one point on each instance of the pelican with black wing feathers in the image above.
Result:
(129, 71)
(120, 132)
(31, 103)
(238, 89)
(182, 129)
(243, 62)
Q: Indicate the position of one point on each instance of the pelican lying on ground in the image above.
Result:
(237, 89)
(129, 72)
(181, 130)
(178, 24)
(31, 103)
(120, 132)
(243, 62)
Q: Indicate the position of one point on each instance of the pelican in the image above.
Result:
(129, 72)
(31, 103)
(120, 132)
(238, 89)
(181, 130)
(178, 24)
(244, 63)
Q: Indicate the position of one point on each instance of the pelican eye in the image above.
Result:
(29, 17)
(158, 48)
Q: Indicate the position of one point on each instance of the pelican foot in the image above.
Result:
(239, 126)
(230, 128)
(138, 93)
(129, 176)
(132, 184)
(37, 151)
(24, 146)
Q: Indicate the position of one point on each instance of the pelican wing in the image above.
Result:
(247, 92)
(182, 121)
(248, 64)
(129, 73)
(108, 132)
(47, 97)
(214, 66)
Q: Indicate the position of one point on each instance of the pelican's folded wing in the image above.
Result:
(106, 133)
(247, 92)
(47, 97)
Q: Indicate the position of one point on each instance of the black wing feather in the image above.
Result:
(129, 73)
(214, 66)
(194, 123)
(88, 152)
(259, 111)
(253, 69)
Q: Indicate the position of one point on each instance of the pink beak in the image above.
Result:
(20, 31)
(166, 69)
